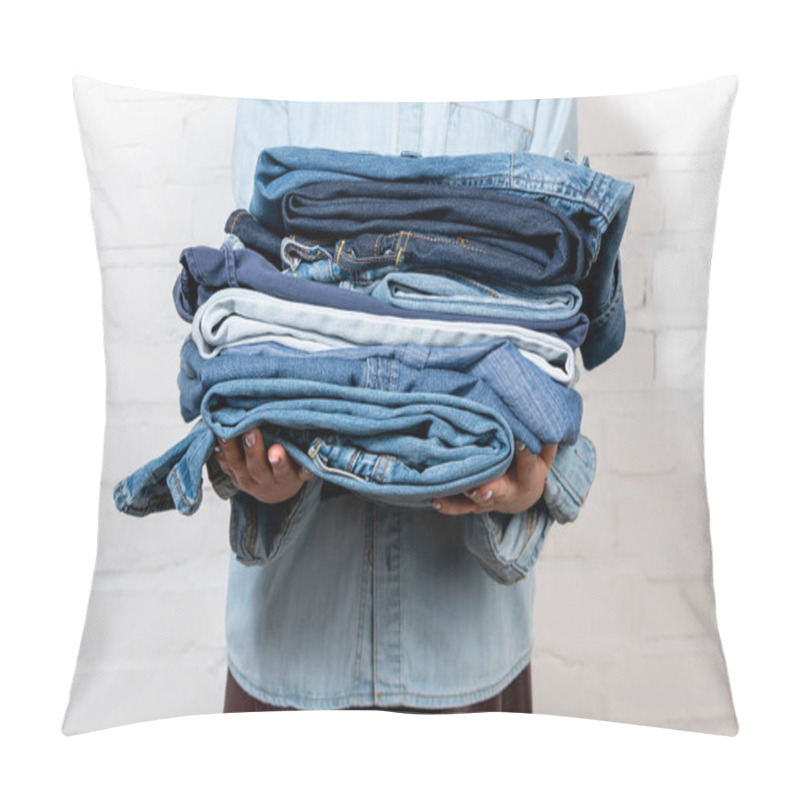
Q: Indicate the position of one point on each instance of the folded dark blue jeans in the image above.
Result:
(597, 204)
(489, 235)
(206, 270)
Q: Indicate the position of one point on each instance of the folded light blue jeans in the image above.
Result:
(398, 424)
(237, 317)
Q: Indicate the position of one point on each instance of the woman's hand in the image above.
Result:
(269, 476)
(517, 490)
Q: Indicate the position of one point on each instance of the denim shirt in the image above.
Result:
(335, 600)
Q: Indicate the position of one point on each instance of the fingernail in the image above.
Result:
(486, 496)
(274, 459)
(521, 446)
(436, 504)
(250, 439)
(472, 494)
(217, 448)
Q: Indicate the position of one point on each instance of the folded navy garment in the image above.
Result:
(489, 235)
(206, 270)
(597, 204)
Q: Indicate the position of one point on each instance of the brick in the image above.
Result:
(636, 265)
(156, 257)
(138, 308)
(566, 689)
(657, 688)
(210, 207)
(582, 609)
(631, 369)
(170, 687)
(679, 608)
(141, 216)
(592, 534)
(142, 372)
(680, 359)
(680, 279)
(130, 445)
(672, 192)
(207, 134)
(683, 120)
(655, 443)
(665, 522)
(182, 614)
(132, 144)
(161, 541)
(647, 212)
(689, 195)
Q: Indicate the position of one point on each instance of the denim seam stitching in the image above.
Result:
(399, 614)
(608, 314)
(565, 484)
(165, 504)
(235, 221)
(360, 634)
(250, 530)
(493, 535)
(180, 491)
(500, 117)
(471, 696)
(288, 520)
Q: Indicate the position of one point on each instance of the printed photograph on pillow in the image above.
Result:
(404, 407)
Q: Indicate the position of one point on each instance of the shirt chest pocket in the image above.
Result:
(494, 126)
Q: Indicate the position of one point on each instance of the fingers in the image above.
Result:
(519, 489)
(496, 491)
(454, 506)
(548, 454)
(264, 473)
(230, 457)
(255, 458)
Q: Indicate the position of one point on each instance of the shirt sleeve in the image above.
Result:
(506, 546)
(260, 532)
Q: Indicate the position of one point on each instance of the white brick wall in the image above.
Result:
(625, 623)
(624, 618)
(153, 645)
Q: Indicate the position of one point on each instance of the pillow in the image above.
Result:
(623, 626)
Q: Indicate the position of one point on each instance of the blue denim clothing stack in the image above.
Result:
(458, 341)
(336, 599)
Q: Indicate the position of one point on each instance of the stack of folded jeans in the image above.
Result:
(396, 323)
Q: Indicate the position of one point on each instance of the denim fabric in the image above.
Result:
(441, 293)
(235, 317)
(489, 235)
(598, 205)
(547, 127)
(207, 270)
(396, 424)
(242, 224)
(504, 546)
(334, 600)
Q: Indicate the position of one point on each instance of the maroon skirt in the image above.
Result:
(516, 697)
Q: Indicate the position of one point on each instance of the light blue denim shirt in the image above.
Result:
(356, 603)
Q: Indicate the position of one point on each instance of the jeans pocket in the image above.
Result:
(336, 459)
